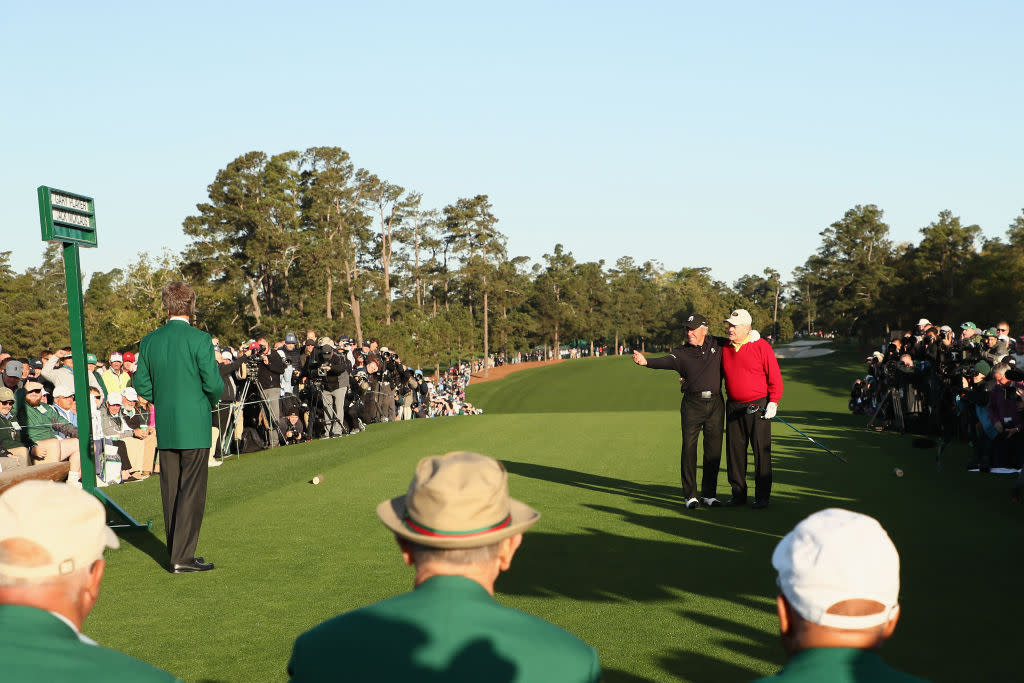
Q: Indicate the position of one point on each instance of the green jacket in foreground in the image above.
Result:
(838, 665)
(448, 629)
(177, 371)
(37, 646)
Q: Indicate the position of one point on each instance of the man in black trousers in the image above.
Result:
(177, 372)
(699, 364)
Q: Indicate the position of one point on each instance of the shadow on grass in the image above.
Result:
(147, 542)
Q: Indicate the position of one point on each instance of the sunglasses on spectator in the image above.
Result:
(33, 391)
(6, 403)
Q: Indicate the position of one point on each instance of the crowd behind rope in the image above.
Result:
(961, 384)
(276, 393)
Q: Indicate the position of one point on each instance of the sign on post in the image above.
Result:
(67, 217)
(70, 219)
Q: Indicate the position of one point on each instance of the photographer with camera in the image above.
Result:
(327, 374)
(1005, 415)
(389, 375)
(408, 392)
(268, 368)
(292, 428)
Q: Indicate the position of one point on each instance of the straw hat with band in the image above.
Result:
(457, 500)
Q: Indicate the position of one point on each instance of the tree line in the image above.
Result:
(308, 240)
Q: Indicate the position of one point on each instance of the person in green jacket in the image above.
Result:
(839, 582)
(52, 538)
(177, 373)
(460, 529)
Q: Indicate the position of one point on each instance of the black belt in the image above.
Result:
(702, 394)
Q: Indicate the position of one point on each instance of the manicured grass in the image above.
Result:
(663, 594)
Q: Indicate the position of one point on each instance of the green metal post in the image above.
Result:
(76, 326)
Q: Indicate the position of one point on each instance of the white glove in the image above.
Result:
(754, 335)
(770, 410)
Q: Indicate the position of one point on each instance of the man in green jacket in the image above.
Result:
(459, 527)
(839, 582)
(177, 373)
(52, 538)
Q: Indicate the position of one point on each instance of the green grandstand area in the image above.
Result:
(664, 594)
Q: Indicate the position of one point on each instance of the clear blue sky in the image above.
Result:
(700, 134)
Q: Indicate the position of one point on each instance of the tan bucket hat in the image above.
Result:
(457, 500)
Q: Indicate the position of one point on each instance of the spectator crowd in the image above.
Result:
(958, 384)
(276, 393)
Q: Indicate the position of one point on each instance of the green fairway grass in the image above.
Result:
(663, 593)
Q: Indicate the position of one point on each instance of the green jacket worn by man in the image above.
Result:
(459, 527)
(839, 582)
(52, 538)
(178, 373)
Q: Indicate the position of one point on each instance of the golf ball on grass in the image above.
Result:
(319, 478)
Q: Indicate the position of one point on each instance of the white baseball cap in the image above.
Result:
(129, 394)
(923, 321)
(739, 317)
(837, 555)
(116, 358)
(68, 525)
(226, 355)
(63, 390)
(114, 398)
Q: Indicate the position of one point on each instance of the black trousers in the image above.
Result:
(743, 428)
(698, 415)
(183, 476)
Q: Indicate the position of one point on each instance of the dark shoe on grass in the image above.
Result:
(760, 504)
(735, 502)
(196, 565)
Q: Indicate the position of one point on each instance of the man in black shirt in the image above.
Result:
(699, 364)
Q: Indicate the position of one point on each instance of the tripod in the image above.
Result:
(237, 413)
(330, 415)
(894, 398)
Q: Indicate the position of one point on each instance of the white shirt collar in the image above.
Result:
(182, 318)
(81, 636)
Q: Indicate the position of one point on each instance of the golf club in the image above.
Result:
(752, 409)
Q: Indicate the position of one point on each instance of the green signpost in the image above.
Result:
(70, 218)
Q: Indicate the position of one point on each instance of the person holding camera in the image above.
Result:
(330, 369)
(270, 366)
(291, 427)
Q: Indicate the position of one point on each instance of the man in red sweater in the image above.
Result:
(753, 383)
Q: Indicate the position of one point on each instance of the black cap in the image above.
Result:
(694, 321)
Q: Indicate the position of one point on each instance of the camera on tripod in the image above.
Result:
(252, 358)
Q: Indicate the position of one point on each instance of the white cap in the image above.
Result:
(129, 394)
(946, 328)
(226, 355)
(68, 525)
(63, 390)
(116, 358)
(114, 398)
(836, 555)
(923, 322)
(878, 355)
(739, 317)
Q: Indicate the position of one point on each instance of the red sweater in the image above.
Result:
(752, 372)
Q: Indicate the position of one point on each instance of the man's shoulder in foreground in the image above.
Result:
(448, 629)
(838, 665)
(36, 645)
(176, 329)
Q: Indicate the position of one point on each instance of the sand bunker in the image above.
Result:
(809, 348)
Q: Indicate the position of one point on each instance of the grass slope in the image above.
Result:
(663, 594)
